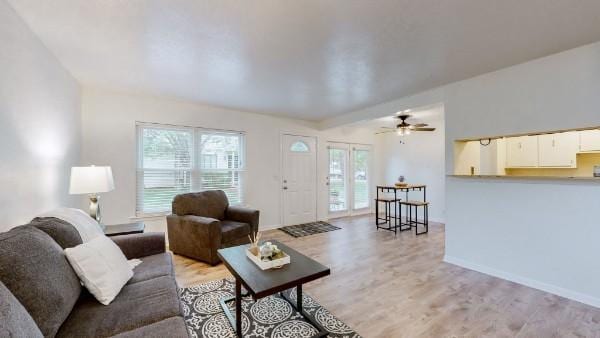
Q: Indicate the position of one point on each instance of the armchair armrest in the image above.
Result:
(141, 245)
(195, 236)
(244, 215)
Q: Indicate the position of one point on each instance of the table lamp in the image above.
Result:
(91, 180)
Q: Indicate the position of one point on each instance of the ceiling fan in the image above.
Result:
(405, 128)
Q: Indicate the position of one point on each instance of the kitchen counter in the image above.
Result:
(512, 177)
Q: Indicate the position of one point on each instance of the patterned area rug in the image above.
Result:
(306, 229)
(271, 317)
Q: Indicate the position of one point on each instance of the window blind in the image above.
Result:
(175, 160)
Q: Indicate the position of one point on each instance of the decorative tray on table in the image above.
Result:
(268, 259)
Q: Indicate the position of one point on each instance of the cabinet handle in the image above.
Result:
(553, 143)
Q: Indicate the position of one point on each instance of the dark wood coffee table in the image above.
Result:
(262, 283)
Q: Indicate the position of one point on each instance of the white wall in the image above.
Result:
(540, 233)
(109, 139)
(39, 124)
(544, 234)
(420, 159)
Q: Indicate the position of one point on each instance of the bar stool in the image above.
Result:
(414, 222)
(388, 202)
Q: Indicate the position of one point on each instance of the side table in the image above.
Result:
(124, 229)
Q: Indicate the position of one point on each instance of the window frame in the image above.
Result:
(195, 162)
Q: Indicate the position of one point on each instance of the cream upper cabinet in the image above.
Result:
(522, 151)
(558, 150)
(589, 140)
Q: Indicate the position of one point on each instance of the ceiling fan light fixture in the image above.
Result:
(403, 131)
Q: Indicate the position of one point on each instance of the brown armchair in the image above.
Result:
(203, 222)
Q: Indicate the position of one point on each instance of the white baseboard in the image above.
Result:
(536, 284)
(268, 227)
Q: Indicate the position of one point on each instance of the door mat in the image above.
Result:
(306, 229)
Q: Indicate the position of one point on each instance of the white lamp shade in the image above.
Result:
(91, 180)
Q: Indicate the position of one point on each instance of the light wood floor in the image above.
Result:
(399, 287)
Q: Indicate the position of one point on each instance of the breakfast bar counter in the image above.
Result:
(537, 178)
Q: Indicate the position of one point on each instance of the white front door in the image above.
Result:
(299, 164)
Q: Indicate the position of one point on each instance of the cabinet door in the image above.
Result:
(522, 151)
(589, 140)
(529, 151)
(558, 150)
(513, 152)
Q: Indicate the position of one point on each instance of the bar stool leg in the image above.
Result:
(395, 218)
(391, 216)
(377, 214)
(426, 218)
(425, 222)
(400, 214)
(416, 220)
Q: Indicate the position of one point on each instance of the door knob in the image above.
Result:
(284, 188)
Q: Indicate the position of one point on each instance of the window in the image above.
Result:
(209, 161)
(176, 160)
(299, 147)
(225, 173)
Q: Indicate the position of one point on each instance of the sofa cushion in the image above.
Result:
(14, 319)
(34, 268)
(210, 203)
(152, 267)
(141, 245)
(173, 327)
(62, 232)
(137, 305)
(232, 231)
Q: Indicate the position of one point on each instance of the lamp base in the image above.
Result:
(95, 209)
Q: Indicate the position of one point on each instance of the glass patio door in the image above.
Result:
(338, 179)
(360, 177)
(348, 179)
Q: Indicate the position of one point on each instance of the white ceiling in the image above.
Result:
(309, 59)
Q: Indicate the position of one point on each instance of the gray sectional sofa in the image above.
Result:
(41, 296)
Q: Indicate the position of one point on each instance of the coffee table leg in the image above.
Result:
(298, 305)
(235, 324)
(238, 307)
(299, 298)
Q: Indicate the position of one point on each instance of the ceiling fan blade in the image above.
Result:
(424, 129)
(385, 132)
(420, 125)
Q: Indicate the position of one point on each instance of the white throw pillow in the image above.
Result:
(87, 227)
(134, 262)
(101, 266)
